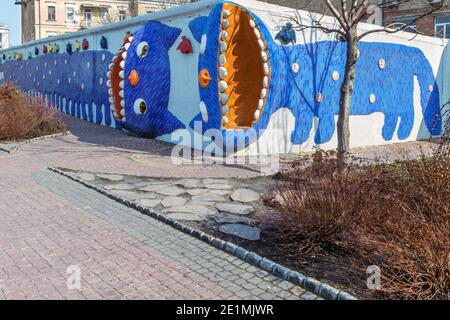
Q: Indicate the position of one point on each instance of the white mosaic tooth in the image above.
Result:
(111, 100)
(203, 44)
(126, 46)
(111, 65)
(108, 83)
(266, 69)
(223, 98)
(295, 67)
(223, 47)
(225, 109)
(263, 93)
(226, 13)
(224, 120)
(257, 33)
(122, 103)
(264, 56)
(122, 84)
(124, 55)
(222, 73)
(122, 112)
(225, 23)
(223, 86)
(260, 104)
(222, 59)
(256, 114)
(261, 44)
(114, 58)
(265, 82)
(122, 64)
(110, 92)
(108, 74)
(252, 23)
(122, 74)
(121, 93)
(130, 38)
(224, 35)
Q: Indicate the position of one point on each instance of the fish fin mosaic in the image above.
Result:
(244, 75)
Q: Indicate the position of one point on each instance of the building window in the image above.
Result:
(122, 14)
(442, 27)
(411, 26)
(88, 16)
(104, 13)
(51, 13)
(70, 14)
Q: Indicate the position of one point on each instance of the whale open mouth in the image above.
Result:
(243, 69)
(116, 82)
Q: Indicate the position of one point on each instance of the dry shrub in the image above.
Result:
(392, 216)
(22, 117)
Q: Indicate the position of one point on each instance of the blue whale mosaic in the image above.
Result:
(130, 89)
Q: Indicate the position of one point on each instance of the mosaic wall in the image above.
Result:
(229, 67)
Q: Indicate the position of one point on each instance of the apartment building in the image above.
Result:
(44, 18)
(397, 13)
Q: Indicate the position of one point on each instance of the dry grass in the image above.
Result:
(22, 117)
(392, 216)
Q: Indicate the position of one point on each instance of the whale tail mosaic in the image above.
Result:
(229, 72)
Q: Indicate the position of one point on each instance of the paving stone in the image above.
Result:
(188, 183)
(215, 181)
(110, 177)
(196, 192)
(187, 216)
(191, 209)
(119, 186)
(150, 203)
(220, 192)
(218, 186)
(170, 191)
(229, 218)
(241, 231)
(208, 198)
(86, 176)
(235, 208)
(245, 195)
(173, 201)
(134, 195)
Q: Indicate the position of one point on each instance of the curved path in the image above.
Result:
(53, 229)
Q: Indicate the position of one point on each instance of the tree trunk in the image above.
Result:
(134, 8)
(343, 130)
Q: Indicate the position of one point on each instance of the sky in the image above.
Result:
(10, 15)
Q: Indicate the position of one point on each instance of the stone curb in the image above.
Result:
(21, 143)
(317, 287)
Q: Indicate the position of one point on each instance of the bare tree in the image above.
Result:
(348, 14)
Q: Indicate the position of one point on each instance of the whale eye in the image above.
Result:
(140, 106)
(142, 49)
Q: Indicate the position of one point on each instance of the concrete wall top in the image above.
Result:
(277, 12)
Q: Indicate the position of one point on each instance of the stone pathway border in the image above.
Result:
(317, 287)
(16, 145)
